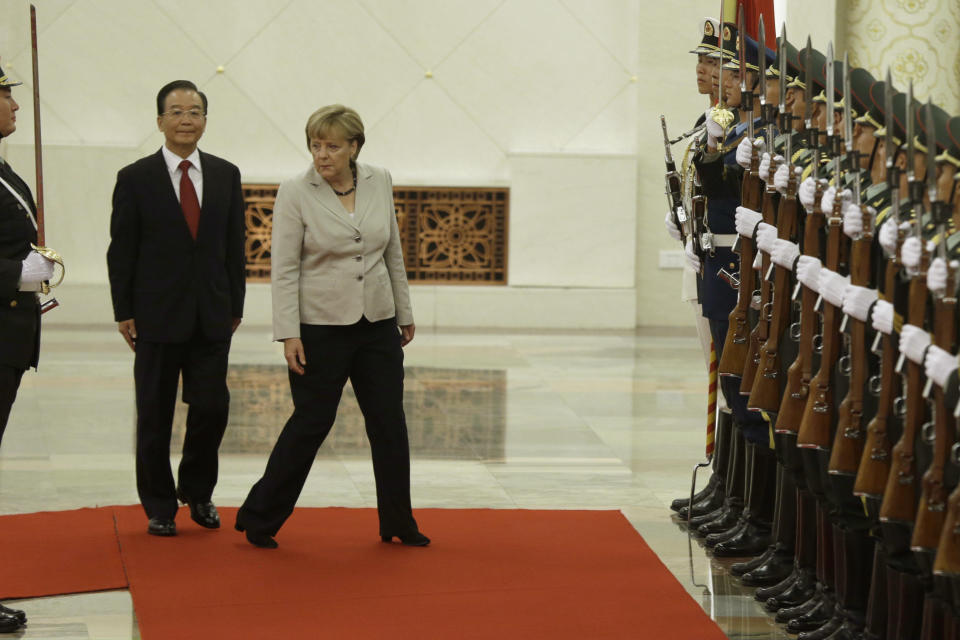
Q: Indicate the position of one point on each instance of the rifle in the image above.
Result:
(848, 441)
(735, 348)
(766, 392)
(874, 466)
(933, 498)
(672, 183)
(800, 372)
(899, 499)
(769, 210)
(815, 426)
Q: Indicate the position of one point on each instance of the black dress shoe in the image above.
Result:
(203, 513)
(787, 614)
(16, 613)
(415, 539)
(740, 568)
(162, 527)
(680, 503)
(261, 540)
(9, 623)
(777, 567)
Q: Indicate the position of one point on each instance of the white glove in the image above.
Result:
(888, 237)
(745, 150)
(714, 130)
(766, 236)
(35, 269)
(692, 258)
(913, 342)
(882, 318)
(808, 271)
(764, 169)
(937, 275)
(910, 254)
(829, 199)
(784, 253)
(671, 226)
(852, 220)
(806, 193)
(832, 285)
(939, 364)
(746, 221)
(857, 301)
(781, 179)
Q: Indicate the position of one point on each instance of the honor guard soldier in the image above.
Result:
(22, 273)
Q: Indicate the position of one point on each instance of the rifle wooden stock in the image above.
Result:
(759, 334)
(947, 561)
(848, 441)
(815, 426)
(874, 466)
(735, 342)
(767, 391)
(899, 498)
(931, 511)
(800, 372)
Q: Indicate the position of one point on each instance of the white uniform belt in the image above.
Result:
(724, 239)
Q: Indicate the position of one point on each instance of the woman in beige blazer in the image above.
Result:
(341, 307)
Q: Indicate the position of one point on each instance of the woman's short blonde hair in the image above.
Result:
(336, 117)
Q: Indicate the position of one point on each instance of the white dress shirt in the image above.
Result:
(173, 167)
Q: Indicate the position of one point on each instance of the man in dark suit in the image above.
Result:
(177, 270)
(22, 270)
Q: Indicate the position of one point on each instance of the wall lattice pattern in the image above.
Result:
(450, 235)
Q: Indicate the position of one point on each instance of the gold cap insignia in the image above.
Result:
(726, 33)
(708, 28)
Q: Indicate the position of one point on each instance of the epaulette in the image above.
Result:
(824, 161)
(882, 215)
(876, 196)
(953, 243)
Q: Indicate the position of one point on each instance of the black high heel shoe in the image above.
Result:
(415, 539)
(261, 540)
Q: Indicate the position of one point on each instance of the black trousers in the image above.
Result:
(368, 353)
(9, 383)
(156, 371)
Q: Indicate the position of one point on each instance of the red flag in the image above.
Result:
(751, 18)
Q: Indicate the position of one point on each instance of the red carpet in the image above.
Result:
(490, 574)
(57, 552)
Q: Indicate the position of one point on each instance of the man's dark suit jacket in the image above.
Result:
(19, 310)
(160, 276)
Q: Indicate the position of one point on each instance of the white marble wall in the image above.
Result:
(554, 98)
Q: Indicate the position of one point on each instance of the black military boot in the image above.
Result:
(905, 593)
(757, 515)
(876, 622)
(815, 617)
(713, 499)
(787, 614)
(777, 562)
(733, 503)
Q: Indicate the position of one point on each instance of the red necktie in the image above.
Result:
(188, 199)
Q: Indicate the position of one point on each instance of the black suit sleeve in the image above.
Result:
(122, 252)
(236, 254)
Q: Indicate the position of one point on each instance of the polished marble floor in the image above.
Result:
(556, 420)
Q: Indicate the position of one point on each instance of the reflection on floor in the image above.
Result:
(499, 420)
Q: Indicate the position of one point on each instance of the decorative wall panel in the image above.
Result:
(449, 235)
(452, 413)
(918, 40)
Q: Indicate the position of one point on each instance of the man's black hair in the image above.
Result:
(174, 86)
